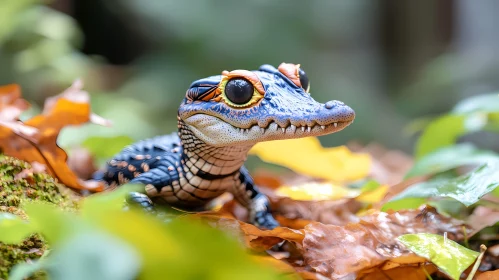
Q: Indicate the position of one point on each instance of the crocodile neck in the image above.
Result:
(213, 162)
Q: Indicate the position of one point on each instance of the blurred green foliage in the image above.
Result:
(104, 242)
(439, 154)
(38, 46)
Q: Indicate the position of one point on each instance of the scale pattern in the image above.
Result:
(181, 177)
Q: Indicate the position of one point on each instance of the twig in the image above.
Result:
(483, 248)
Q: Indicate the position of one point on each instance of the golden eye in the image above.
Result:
(240, 88)
(239, 91)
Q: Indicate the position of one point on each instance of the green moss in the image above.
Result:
(16, 187)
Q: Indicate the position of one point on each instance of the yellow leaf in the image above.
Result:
(316, 191)
(307, 156)
(373, 196)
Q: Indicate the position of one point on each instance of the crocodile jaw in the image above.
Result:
(217, 132)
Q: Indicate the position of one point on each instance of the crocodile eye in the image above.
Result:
(239, 91)
(305, 84)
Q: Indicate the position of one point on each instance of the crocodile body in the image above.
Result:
(219, 120)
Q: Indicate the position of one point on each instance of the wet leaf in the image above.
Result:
(338, 251)
(310, 158)
(448, 255)
(69, 108)
(316, 191)
(13, 229)
(467, 189)
(451, 157)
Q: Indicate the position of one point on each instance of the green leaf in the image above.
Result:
(13, 229)
(108, 201)
(107, 257)
(370, 185)
(449, 256)
(404, 203)
(451, 157)
(54, 224)
(467, 189)
(442, 132)
(479, 103)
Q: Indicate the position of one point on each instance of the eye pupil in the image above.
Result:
(239, 91)
(303, 79)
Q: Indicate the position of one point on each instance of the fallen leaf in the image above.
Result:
(482, 217)
(407, 272)
(310, 158)
(11, 103)
(338, 251)
(373, 196)
(449, 256)
(317, 191)
(489, 275)
(69, 108)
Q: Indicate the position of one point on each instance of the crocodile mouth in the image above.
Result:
(218, 132)
(294, 129)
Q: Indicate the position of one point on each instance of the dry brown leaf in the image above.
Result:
(489, 275)
(338, 251)
(69, 108)
(337, 212)
(483, 217)
(412, 272)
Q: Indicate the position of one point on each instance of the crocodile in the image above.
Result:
(219, 120)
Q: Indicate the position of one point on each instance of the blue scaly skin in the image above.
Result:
(219, 120)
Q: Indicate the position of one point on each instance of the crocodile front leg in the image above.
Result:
(258, 205)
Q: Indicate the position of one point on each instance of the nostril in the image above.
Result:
(333, 103)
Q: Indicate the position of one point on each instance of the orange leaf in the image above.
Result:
(489, 275)
(69, 108)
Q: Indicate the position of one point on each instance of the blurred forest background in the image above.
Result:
(397, 63)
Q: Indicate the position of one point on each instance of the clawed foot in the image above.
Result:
(260, 214)
(141, 201)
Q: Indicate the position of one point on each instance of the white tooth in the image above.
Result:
(283, 129)
(335, 124)
(303, 129)
(309, 128)
(323, 126)
(262, 130)
(293, 128)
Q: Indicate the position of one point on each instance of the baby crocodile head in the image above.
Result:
(246, 107)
